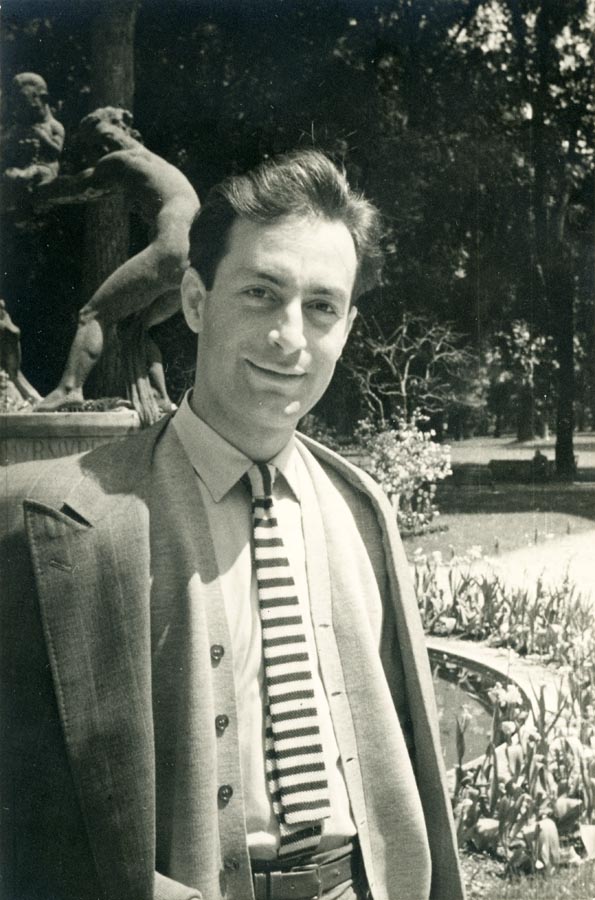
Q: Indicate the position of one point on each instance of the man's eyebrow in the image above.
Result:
(261, 274)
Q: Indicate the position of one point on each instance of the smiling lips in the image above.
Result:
(276, 373)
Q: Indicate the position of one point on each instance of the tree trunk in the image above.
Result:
(525, 424)
(590, 369)
(107, 220)
(555, 266)
(561, 288)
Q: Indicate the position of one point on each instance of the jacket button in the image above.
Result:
(231, 864)
(221, 723)
(217, 652)
(224, 794)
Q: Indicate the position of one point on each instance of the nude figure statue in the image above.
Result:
(147, 285)
(33, 143)
(16, 392)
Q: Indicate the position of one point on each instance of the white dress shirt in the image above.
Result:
(219, 467)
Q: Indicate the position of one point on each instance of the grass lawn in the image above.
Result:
(484, 881)
(501, 517)
(480, 450)
(505, 518)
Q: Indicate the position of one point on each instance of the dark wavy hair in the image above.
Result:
(301, 183)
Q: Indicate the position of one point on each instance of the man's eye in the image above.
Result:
(323, 306)
(258, 293)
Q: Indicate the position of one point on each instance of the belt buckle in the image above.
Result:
(276, 880)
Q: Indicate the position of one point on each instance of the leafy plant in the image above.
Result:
(555, 622)
(533, 793)
(533, 787)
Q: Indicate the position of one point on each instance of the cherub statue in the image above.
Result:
(33, 144)
(16, 394)
(148, 284)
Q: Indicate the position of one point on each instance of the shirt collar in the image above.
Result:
(218, 463)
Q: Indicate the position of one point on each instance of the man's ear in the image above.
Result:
(350, 320)
(194, 295)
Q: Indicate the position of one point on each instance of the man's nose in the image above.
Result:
(288, 333)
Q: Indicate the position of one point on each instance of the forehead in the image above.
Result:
(110, 120)
(292, 243)
(32, 88)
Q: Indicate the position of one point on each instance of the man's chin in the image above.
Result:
(282, 416)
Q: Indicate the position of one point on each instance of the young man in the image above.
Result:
(218, 680)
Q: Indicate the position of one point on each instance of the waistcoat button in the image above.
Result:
(221, 723)
(217, 652)
(224, 794)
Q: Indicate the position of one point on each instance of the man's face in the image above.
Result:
(273, 326)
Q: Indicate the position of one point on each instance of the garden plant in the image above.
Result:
(530, 799)
(406, 462)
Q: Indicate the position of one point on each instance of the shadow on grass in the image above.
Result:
(575, 500)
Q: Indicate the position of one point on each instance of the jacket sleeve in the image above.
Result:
(167, 889)
(44, 851)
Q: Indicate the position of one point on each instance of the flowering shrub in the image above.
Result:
(406, 462)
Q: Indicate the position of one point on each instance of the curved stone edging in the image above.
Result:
(504, 665)
(487, 676)
(498, 664)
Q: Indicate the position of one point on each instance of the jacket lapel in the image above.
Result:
(91, 563)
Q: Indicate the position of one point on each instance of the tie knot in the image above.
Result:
(261, 477)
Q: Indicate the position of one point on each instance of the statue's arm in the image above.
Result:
(80, 188)
(51, 134)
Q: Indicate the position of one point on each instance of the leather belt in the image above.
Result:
(306, 882)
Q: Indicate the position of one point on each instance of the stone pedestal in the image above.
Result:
(36, 436)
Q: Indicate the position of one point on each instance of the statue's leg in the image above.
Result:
(130, 289)
(136, 284)
(160, 310)
(163, 308)
(84, 353)
(157, 375)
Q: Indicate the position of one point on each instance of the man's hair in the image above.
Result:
(303, 183)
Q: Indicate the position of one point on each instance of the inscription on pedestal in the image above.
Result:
(26, 449)
(30, 438)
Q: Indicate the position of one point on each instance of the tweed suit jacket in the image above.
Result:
(111, 615)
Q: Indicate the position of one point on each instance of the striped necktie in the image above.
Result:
(295, 767)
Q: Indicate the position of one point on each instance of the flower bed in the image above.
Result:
(531, 799)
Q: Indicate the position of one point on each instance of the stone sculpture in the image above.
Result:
(33, 143)
(146, 286)
(16, 394)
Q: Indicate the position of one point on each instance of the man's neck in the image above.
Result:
(258, 446)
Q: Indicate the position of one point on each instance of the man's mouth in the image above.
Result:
(276, 373)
